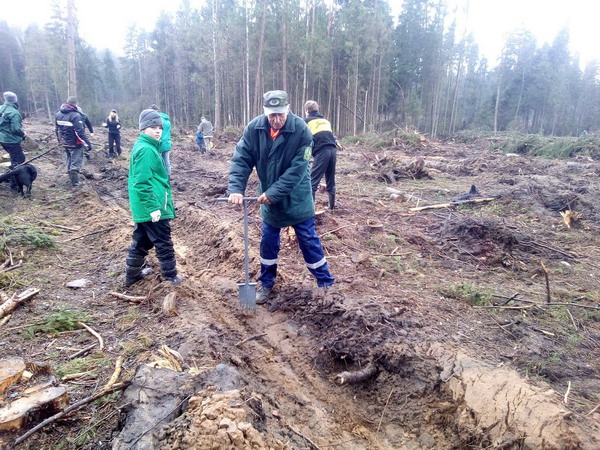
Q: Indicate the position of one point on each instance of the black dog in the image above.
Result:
(21, 179)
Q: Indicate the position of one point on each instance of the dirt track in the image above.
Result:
(449, 374)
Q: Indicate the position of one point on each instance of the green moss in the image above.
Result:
(468, 293)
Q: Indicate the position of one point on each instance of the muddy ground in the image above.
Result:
(479, 324)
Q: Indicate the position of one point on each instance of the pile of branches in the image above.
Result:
(391, 170)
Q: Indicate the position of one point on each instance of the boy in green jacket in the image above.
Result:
(151, 204)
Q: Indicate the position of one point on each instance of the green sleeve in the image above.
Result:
(142, 176)
(242, 163)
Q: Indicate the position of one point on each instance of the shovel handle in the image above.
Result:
(226, 199)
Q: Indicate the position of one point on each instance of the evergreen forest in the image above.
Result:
(370, 71)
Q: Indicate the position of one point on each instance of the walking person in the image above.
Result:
(278, 144)
(165, 140)
(114, 133)
(151, 203)
(11, 131)
(86, 122)
(324, 150)
(206, 128)
(70, 132)
(200, 141)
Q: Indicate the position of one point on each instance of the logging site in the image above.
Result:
(292, 225)
(466, 312)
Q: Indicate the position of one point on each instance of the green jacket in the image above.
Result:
(11, 131)
(282, 167)
(148, 183)
(165, 138)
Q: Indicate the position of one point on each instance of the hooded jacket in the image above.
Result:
(11, 131)
(69, 127)
(148, 182)
(165, 139)
(282, 167)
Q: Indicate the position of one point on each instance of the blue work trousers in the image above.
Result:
(311, 248)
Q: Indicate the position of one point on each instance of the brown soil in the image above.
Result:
(424, 300)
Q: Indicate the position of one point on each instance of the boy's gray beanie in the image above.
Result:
(150, 118)
(10, 97)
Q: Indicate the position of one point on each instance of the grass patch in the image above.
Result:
(468, 293)
(98, 360)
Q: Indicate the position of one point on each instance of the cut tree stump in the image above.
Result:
(11, 370)
(38, 405)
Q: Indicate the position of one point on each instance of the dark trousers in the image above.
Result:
(153, 234)
(311, 248)
(324, 164)
(114, 139)
(16, 153)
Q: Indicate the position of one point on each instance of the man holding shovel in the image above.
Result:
(279, 143)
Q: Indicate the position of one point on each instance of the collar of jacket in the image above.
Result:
(288, 127)
(314, 115)
(14, 105)
(150, 140)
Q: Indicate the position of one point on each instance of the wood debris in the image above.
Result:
(11, 370)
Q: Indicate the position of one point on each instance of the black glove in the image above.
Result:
(89, 149)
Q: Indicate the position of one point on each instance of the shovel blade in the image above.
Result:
(247, 296)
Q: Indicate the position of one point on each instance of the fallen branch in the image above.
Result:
(251, 338)
(83, 351)
(303, 436)
(356, 376)
(115, 376)
(5, 320)
(545, 271)
(337, 229)
(383, 412)
(549, 247)
(593, 410)
(129, 298)
(8, 269)
(89, 234)
(74, 376)
(556, 304)
(453, 204)
(61, 227)
(73, 407)
(9, 305)
(95, 334)
(566, 398)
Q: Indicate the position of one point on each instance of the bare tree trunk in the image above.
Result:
(217, 121)
(261, 39)
(496, 109)
(285, 46)
(71, 63)
(354, 121)
(248, 100)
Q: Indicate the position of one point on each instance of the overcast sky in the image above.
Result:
(104, 23)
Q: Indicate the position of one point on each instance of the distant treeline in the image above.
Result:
(369, 71)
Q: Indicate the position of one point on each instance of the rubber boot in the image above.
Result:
(169, 270)
(331, 200)
(134, 271)
(74, 177)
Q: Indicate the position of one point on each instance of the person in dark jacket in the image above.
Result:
(324, 150)
(11, 130)
(70, 132)
(151, 203)
(86, 121)
(278, 143)
(114, 133)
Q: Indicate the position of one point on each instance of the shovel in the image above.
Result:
(247, 291)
